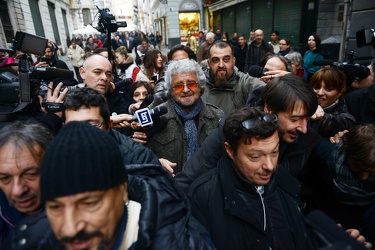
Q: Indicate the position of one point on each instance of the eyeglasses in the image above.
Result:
(96, 125)
(249, 124)
(282, 43)
(189, 85)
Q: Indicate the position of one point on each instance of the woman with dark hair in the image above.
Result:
(225, 37)
(153, 67)
(312, 55)
(332, 114)
(139, 91)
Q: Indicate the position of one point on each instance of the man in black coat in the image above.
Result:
(256, 50)
(247, 202)
(240, 53)
(92, 202)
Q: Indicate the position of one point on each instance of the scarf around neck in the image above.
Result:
(189, 126)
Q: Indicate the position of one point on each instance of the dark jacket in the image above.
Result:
(361, 104)
(240, 55)
(133, 152)
(9, 218)
(254, 54)
(165, 221)
(116, 102)
(293, 156)
(59, 64)
(336, 118)
(231, 209)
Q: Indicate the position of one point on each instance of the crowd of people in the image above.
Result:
(226, 160)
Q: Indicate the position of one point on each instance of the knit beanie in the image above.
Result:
(81, 158)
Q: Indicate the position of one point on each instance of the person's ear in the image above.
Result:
(229, 150)
(267, 109)
(82, 72)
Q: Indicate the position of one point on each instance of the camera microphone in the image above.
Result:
(256, 71)
(155, 112)
(147, 101)
(355, 70)
(52, 73)
(323, 62)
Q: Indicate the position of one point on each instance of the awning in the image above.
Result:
(224, 4)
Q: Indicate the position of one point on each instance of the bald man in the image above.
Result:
(96, 73)
(256, 50)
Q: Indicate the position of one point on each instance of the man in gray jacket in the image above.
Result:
(227, 87)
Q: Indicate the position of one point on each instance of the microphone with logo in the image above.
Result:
(153, 117)
(144, 116)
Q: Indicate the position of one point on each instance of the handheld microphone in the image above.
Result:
(155, 112)
(256, 71)
(147, 101)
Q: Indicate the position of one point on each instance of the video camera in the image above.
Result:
(107, 21)
(17, 92)
(107, 24)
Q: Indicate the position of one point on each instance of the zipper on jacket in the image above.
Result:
(260, 191)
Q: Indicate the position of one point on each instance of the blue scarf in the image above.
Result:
(189, 126)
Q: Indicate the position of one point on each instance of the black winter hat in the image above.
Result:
(81, 158)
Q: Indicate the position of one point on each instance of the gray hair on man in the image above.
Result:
(184, 66)
(295, 58)
(210, 35)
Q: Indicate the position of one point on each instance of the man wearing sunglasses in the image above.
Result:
(189, 118)
(246, 201)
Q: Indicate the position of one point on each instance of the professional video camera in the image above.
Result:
(107, 21)
(354, 71)
(17, 92)
(107, 24)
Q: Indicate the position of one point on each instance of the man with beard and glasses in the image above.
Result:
(22, 145)
(227, 87)
(189, 119)
(94, 202)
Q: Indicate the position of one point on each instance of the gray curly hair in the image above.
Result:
(184, 66)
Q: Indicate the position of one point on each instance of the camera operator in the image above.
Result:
(366, 82)
(49, 60)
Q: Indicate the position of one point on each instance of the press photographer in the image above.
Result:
(20, 94)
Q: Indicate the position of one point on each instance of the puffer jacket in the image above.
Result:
(234, 94)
